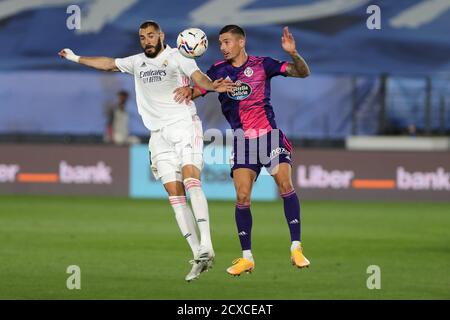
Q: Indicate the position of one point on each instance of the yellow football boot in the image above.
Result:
(241, 265)
(298, 259)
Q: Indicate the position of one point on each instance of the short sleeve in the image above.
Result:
(187, 65)
(125, 64)
(274, 67)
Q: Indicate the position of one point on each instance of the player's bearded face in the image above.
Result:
(151, 51)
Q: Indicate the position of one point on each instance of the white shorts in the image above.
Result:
(175, 146)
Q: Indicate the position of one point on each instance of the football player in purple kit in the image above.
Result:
(259, 141)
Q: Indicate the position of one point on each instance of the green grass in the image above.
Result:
(132, 249)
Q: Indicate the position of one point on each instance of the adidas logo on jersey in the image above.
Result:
(201, 220)
(295, 221)
(143, 64)
(242, 233)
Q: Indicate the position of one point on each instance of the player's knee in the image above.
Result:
(191, 171)
(174, 189)
(285, 186)
(243, 196)
(175, 192)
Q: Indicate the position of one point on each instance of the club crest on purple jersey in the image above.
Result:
(248, 72)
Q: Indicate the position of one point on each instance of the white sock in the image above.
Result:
(185, 221)
(247, 254)
(295, 245)
(200, 208)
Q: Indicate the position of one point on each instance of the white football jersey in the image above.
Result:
(155, 80)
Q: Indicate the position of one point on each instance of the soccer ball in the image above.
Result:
(192, 43)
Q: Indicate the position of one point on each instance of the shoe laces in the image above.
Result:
(236, 261)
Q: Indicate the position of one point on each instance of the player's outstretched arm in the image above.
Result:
(99, 63)
(298, 68)
(219, 85)
(186, 94)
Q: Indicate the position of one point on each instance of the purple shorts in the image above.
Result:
(267, 151)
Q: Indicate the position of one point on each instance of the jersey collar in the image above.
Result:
(243, 65)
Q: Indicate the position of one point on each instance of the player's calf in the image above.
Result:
(200, 207)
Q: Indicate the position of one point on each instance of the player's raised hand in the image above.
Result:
(183, 94)
(223, 85)
(288, 41)
(69, 55)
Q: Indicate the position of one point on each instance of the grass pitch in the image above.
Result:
(132, 249)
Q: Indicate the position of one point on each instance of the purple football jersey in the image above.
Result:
(248, 106)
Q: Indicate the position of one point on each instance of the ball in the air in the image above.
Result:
(192, 43)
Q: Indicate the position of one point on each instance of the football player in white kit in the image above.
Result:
(176, 140)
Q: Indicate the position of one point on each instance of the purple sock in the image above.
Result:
(244, 225)
(292, 213)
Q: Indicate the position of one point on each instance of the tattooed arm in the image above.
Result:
(298, 67)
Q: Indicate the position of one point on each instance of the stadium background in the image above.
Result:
(374, 191)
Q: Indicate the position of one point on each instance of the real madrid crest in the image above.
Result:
(165, 63)
(248, 72)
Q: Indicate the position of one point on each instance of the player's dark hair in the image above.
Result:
(232, 28)
(150, 23)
